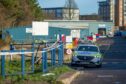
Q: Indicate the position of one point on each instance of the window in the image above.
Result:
(88, 48)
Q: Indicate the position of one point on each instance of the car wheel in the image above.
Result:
(99, 66)
(72, 64)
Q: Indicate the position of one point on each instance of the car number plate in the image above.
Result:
(85, 62)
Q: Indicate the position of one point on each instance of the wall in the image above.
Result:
(19, 34)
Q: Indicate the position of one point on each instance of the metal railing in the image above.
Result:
(22, 53)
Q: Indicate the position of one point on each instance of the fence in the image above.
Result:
(22, 55)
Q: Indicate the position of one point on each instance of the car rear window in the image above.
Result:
(88, 48)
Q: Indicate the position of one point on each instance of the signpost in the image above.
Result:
(69, 51)
(69, 44)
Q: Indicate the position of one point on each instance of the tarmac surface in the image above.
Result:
(113, 70)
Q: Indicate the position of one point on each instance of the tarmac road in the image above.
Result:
(113, 70)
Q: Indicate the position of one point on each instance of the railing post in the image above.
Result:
(33, 58)
(22, 64)
(44, 61)
(53, 57)
(59, 56)
(11, 50)
(62, 53)
(3, 66)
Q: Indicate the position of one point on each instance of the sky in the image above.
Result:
(85, 6)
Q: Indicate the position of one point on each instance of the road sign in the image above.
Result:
(69, 51)
(69, 45)
(40, 28)
(69, 39)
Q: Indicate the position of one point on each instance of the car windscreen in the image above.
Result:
(88, 48)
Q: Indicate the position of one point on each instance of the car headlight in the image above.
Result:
(98, 56)
(75, 54)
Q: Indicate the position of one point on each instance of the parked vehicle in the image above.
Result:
(87, 54)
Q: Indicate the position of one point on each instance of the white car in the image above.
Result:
(87, 54)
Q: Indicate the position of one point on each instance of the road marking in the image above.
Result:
(117, 82)
(105, 76)
(113, 62)
(104, 62)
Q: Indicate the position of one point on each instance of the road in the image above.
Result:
(113, 70)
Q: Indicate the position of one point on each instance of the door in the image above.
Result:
(102, 31)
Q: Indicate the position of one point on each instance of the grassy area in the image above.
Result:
(37, 77)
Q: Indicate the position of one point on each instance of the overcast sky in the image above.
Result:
(85, 6)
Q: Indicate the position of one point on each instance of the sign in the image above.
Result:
(28, 30)
(40, 28)
(69, 51)
(75, 33)
(94, 38)
(69, 45)
(102, 25)
(69, 39)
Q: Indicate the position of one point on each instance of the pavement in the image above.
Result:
(113, 70)
(68, 77)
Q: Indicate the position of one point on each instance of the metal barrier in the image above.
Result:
(44, 59)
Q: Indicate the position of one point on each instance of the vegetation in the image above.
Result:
(14, 66)
(19, 12)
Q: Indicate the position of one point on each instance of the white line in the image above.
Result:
(105, 76)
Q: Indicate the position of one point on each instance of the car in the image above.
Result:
(87, 54)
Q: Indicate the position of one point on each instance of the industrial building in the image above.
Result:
(79, 29)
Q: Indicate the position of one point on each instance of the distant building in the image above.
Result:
(120, 13)
(90, 17)
(61, 13)
(70, 11)
(106, 10)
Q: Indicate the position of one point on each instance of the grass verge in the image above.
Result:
(34, 78)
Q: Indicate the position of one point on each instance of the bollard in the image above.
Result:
(23, 64)
(44, 61)
(3, 66)
(53, 57)
(33, 59)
